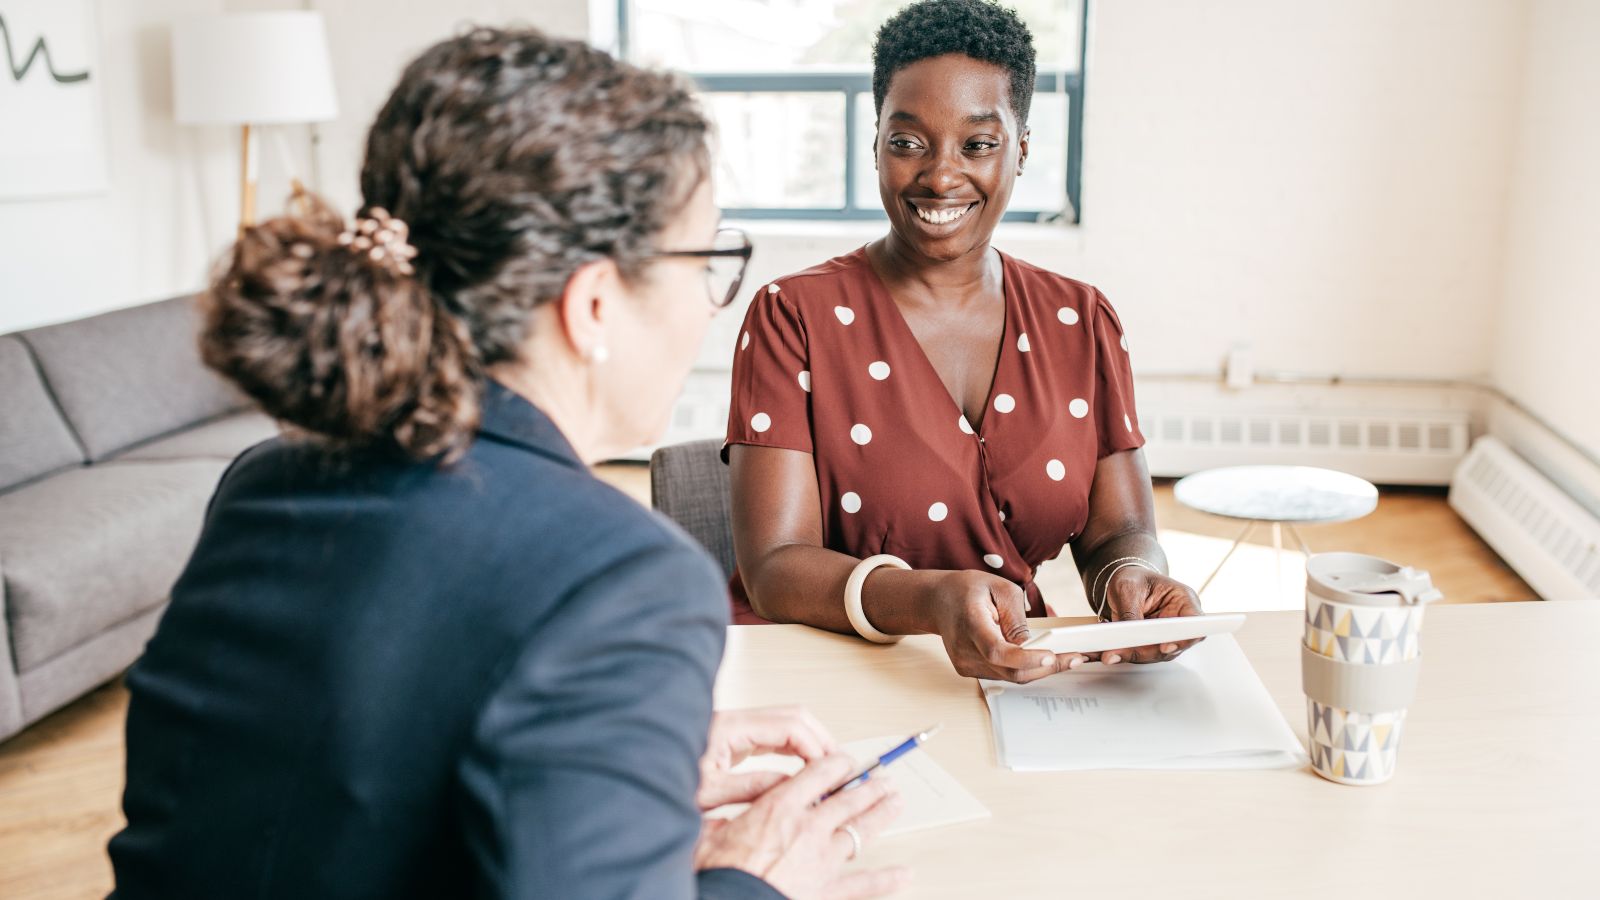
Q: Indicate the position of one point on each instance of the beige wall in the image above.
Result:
(1548, 326)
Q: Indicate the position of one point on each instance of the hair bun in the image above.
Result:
(344, 344)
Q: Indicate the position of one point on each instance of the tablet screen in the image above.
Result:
(1139, 633)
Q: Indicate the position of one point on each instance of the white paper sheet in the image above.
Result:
(932, 796)
(1205, 710)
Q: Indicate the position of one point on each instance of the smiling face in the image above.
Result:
(949, 151)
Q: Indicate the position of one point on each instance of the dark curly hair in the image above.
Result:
(514, 158)
(981, 29)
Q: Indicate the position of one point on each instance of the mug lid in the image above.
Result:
(1369, 580)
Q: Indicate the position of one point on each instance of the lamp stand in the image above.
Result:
(247, 178)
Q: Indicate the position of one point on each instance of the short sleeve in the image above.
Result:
(1116, 415)
(771, 401)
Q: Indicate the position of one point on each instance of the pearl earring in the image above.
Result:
(599, 354)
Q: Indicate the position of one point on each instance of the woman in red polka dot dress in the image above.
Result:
(917, 425)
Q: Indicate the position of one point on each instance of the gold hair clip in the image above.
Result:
(383, 238)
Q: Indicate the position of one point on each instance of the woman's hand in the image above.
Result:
(739, 734)
(798, 845)
(983, 620)
(1135, 592)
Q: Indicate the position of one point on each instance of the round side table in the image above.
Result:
(1279, 495)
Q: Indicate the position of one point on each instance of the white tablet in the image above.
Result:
(1138, 633)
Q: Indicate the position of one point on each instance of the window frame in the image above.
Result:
(854, 84)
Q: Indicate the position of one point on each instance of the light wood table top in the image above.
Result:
(1495, 794)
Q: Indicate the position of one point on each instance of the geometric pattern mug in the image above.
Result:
(1361, 653)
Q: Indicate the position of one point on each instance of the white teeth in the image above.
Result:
(941, 216)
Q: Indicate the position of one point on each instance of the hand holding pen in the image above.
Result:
(906, 746)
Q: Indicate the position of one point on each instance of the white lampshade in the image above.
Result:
(263, 68)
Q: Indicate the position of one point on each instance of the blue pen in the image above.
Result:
(910, 743)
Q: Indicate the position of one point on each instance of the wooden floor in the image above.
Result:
(61, 780)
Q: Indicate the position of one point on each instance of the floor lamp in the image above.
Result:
(250, 70)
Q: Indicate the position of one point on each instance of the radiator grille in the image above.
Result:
(1392, 448)
(1552, 542)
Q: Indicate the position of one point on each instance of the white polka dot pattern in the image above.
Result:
(861, 387)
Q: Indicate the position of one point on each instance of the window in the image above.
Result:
(803, 69)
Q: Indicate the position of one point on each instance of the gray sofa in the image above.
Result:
(112, 438)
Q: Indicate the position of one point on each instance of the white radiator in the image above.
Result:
(1542, 533)
(1383, 447)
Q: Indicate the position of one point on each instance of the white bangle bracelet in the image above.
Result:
(1111, 569)
(852, 597)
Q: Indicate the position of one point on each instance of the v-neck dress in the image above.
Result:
(827, 365)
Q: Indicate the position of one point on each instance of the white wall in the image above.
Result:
(1548, 327)
(1325, 182)
(169, 205)
(1328, 183)
(173, 198)
(372, 41)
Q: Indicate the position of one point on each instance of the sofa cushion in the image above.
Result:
(223, 438)
(92, 547)
(33, 438)
(130, 375)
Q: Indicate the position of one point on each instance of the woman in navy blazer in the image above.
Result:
(420, 651)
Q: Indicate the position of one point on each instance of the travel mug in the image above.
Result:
(1359, 661)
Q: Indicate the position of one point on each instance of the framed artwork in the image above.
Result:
(52, 139)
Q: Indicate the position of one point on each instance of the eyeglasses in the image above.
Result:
(725, 264)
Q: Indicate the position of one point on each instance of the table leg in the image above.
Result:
(1236, 542)
(1300, 540)
(1277, 555)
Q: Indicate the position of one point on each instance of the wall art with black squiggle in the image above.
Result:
(53, 129)
(39, 52)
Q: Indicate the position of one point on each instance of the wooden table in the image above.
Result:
(1496, 792)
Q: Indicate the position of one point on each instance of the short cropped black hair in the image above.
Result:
(981, 29)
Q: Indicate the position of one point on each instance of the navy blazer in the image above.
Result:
(382, 678)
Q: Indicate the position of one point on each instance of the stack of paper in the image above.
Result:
(931, 796)
(1204, 710)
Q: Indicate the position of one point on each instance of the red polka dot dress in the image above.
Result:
(826, 364)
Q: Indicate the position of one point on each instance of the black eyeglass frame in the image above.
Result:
(742, 253)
